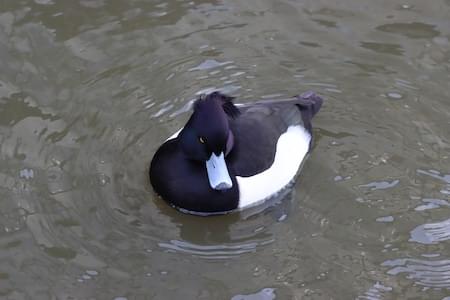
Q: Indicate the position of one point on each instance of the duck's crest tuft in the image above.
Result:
(227, 103)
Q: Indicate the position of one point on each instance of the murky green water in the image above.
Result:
(90, 88)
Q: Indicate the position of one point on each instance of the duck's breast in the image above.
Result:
(184, 183)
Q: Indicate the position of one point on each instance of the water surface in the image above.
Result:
(90, 88)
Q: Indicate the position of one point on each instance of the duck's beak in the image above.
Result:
(218, 176)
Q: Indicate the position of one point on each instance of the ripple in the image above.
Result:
(61, 252)
(446, 191)
(213, 251)
(380, 185)
(44, 2)
(372, 68)
(26, 173)
(431, 233)
(271, 96)
(435, 174)
(183, 109)
(164, 108)
(59, 181)
(386, 219)
(210, 64)
(428, 273)
(92, 3)
(431, 203)
(17, 107)
(377, 291)
(414, 30)
(206, 90)
(237, 74)
(264, 294)
(395, 95)
(91, 272)
(405, 84)
(383, 48)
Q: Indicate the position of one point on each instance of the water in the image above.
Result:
(90, 88)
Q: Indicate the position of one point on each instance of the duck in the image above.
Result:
(229, 156)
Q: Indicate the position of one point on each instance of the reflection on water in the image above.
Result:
(383, 48)
(436, 174)
(430, 272)
(90, 88)
(432, 203)
(380, 185)
(415, 30)
(264, 294)
(431, 233)
(376, 292)
(214, 251)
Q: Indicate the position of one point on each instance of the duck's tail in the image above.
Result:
(309, 102)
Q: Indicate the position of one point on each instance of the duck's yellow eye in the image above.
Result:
(202, 139)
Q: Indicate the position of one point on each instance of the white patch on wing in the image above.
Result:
(292, 147)
(174, 135)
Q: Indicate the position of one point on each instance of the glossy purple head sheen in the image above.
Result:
(208, 131)
(207, 137)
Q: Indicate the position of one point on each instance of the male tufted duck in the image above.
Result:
(229, 157)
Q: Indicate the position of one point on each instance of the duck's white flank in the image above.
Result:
(292, 147)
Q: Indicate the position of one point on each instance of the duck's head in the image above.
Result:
(207, 137)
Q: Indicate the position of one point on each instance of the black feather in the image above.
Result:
(227, 103)
(230, 109)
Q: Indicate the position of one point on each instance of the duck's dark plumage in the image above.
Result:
(185, 185)
(255, 130)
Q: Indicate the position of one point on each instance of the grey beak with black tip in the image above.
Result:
(218, 176)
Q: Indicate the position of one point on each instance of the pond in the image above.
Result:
(90, 88)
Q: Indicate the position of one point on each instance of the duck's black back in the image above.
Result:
(256, 133)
